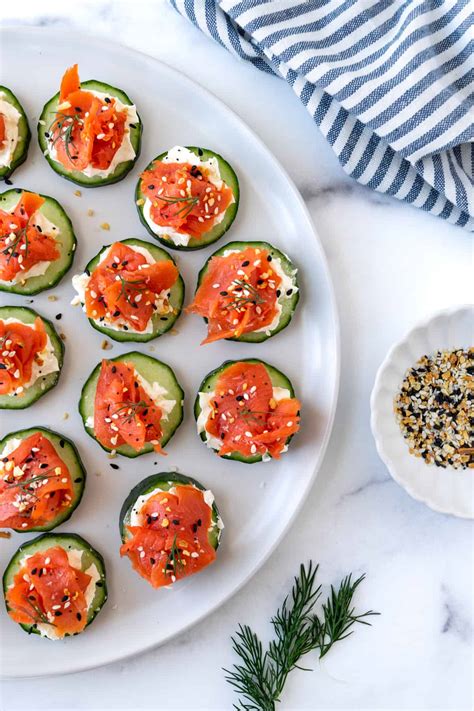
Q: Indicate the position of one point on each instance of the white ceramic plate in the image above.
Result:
(446, 490)
(257, 502)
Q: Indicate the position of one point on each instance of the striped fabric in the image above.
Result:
(390, 83)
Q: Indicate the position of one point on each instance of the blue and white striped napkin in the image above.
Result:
(390, 83)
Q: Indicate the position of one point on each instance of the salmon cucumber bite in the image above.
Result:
(170, 528)
(55, 585)
(37, 242)
(247, 411)
(187, 197)
(132, 404)
(89, 131)
(131, 291)
(42, 480)
(246, 291)
(14, 133)
(31, 357)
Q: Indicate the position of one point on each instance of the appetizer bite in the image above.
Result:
(41, 480)
(54, 585)
(14, 133)
(31, 357)
(170, 528)
(188, 197)
(246, 291)
(247, 410)
(131, 291)
(37, 242)
(89, 132)
(132, 404)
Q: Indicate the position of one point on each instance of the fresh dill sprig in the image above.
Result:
(37, 615)
(189, 202)
(25, 485)
(248, 415)
(174, 562)
(61, 129)
(4, 338)
(261, 675)
(128, 409)
(243, 295)
(11, 249)
(136, 285)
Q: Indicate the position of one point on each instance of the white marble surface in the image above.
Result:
(391, 266)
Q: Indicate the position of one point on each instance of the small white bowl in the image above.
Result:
(446, 490)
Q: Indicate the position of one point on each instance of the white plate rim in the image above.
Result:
(212, 98)
(377, 429)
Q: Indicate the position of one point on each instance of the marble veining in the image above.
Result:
(455, 622)
(363, 488)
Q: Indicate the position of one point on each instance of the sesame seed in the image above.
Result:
(434, 408)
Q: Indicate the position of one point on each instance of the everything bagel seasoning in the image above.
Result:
(435, 408)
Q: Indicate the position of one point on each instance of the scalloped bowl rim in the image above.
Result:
(378, 412)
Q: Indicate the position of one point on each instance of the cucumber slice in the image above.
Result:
(69, 542)
(44, 383)
(65, 241)
(279, 380)
(165, 481)
(288, 302)
(66, 451)
(24, 135)
(151, 370)
(161, 324)
(47, 116)
(228, 176)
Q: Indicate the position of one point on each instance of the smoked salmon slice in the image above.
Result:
(172, 541)
(238, 294)
(123, 411)
(124, 286)
(49, 590)
(183, 198)
(86, 131)
(23, 244)
(245, 416)
(20, 347)
(35, 484)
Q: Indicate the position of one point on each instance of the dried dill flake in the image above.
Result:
(435, 408)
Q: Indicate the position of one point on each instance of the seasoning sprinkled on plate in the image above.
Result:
(435, 408)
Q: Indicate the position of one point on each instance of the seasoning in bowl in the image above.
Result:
(435, 408)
